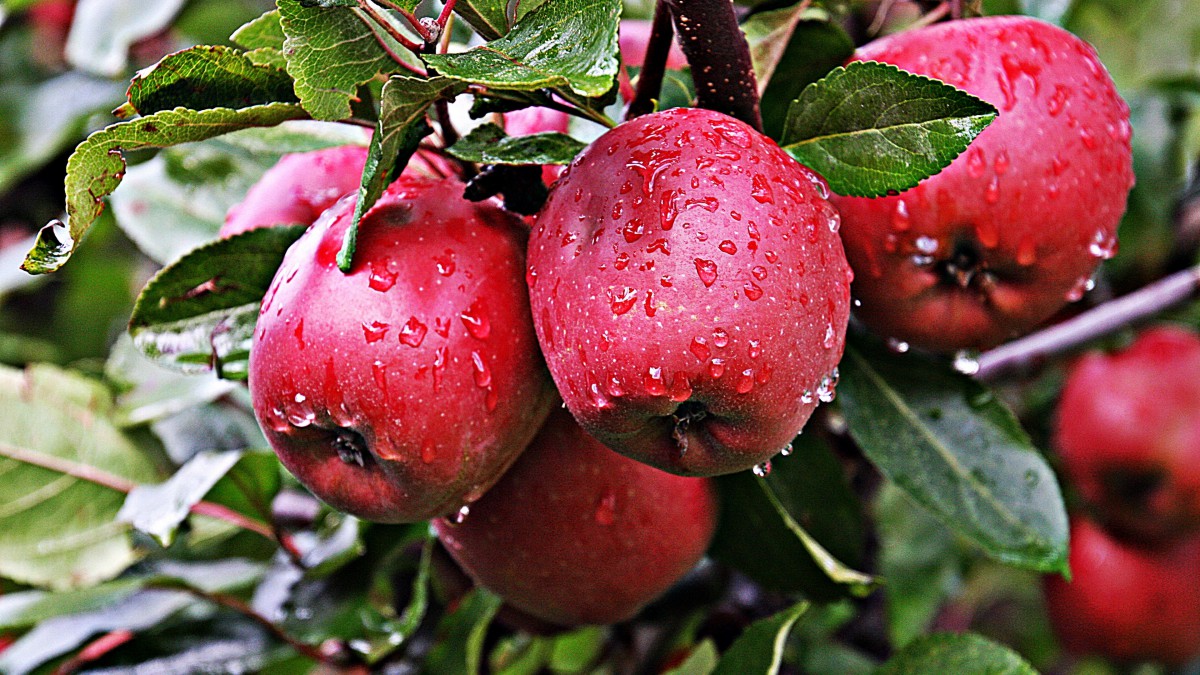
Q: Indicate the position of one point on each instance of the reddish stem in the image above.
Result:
(447, 10)
(717, 51)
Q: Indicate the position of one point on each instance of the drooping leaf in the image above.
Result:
(760, 534)
(330, 53)
(562, 43)
(265, 32)
(401, 127)
(199, 313)
(759, 650)
(158, 510)
(102, 31)
(488, 144)
(956, 653)
(459, 649)
(57, 528)
(871, 128)
(207, 77)
(958, 452)
(489, 18)
(97, 166)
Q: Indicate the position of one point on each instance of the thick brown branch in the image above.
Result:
(717, 51)
(650, 79)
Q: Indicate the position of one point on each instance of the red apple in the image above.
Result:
(1127, 603)
(402, 390)
(576, 534)
(690, 292)
(1013, 228)
(1128, 432)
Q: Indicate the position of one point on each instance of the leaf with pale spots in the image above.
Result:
(872, 129)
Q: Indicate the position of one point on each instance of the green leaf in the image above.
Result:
(919, 560)
(792, 48)
(199, 313)
(158, 510)
(489, 18)
(97, 166)
(459, 648)
(265, 32)
(872, 129)
(702, 661)
(401, 127)
(759, 531)
(958, 452)
(207, 77)
(102, 31)
(951, 653)
(562, 43)
(56, 528)
(330, 53)
(759, 650)
(488, 144)
(29, 608)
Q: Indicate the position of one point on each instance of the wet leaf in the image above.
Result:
(956, 450)
(488, 144)
(562, 43)
(199, 313)
(158, 510)
(97, 166)
(489, 18)
(871, 128)
(207, 77)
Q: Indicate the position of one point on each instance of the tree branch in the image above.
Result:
(717, 51)
(650, 79)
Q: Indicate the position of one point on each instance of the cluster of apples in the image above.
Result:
(1128, 434)
(684, 293)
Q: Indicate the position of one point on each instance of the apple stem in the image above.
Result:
(1109, 317)
(717, 51)
(682, 422)
(654, 66)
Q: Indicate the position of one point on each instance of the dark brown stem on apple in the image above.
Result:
(1111, 316)
(717, 51)
(687, 414)
(650, 79)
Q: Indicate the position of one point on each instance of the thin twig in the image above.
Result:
(1102, 320)
(387, 26)
(447, 10)
(411, 19)
(230, 602)
(388, 48)
(650, 78)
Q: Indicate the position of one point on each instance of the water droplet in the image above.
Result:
(622, 301)
(758, 272)
(531, 277)
(826, 390)
(707, 271)
(1089, 141)
(475, 318)
(806, 397)
(380, 277)
(992, 194)
(1057, 100)
(651, 308)
(1081, 287)
(762, 470)
(621, 262)
(897, 345)
(699, 348)
(755, 349)
(966, 362)
(926, 245)
(460, 516)
(745, 381)
(760, 190)
(428, 452)
(668, 209)
(709, 204)
(1103, 245)
(412, 333)
(617, 209)
(445, 263)
(569, 238)
(753, 291)
(720, 337)
(771, 256)
(633, 230)
(900, 218)
(976, 164)
(987, 233)
(606, 509)
(830, 337)
(614, 388)
(681, 387)
(299, 333)
(374, 331)
(1026, 251)
(597, 397)
(483, 375)
(833, 220)
(1000, 164)
(818, 184)
(653, 381)
(666, 281)
(728, 246)
(717, 368)
(379, 374)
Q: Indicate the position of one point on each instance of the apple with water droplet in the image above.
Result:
(401, 390)
(575, 533)
(1128, 433)
(690, 292)
(1013, 229)
(1126, 602)
(301, 185)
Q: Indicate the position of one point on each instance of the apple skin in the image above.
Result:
(577, 534)
(686, 266)
(1128, 433)
(1127, 603)
(1013, 228)
(402, 390)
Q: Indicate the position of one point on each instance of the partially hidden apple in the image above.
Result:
(1128, 433)
(1013, 229)
(1127, 603)
(576, 534)
(690, 292)
(403, 389)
